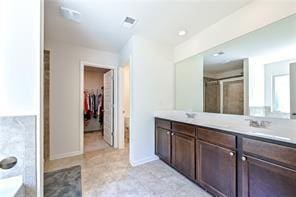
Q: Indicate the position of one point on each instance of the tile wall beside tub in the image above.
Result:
(18, 138)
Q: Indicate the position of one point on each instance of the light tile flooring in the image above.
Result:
(107, 172)
(94, 141)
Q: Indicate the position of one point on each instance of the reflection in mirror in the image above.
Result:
(252, 75)
(223, 85)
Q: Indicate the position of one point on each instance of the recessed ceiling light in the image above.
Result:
(219, 53)
(182, 33)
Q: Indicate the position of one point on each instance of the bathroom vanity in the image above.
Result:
(225, 160)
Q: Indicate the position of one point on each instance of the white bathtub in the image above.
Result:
(12, 187)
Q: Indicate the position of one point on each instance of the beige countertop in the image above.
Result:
(280, 129)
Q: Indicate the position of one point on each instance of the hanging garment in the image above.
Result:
(87, 115)
(101, 116)
(91, 102)
(86, 105)
(95, 98)
(93, 105)
(100, 96)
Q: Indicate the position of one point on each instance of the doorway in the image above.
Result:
(97, 107)
(126, 104)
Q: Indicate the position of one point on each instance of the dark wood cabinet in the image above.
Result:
(267, 179)
(267, 169)
(226, 163)
(163, 144)
(163, 139)
(183, 154)
(216, 168)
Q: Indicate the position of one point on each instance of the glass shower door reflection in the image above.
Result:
(232, 101)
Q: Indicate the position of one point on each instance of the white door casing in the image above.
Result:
(293, 90)
(108, 107)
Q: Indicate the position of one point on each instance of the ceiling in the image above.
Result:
(160, 20)
(275, 39)
(219, 68)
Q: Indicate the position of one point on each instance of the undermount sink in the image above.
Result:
(10, 187)
(270, 136)
(218, 125)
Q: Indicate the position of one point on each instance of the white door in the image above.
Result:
(108, 107)
(293, 90)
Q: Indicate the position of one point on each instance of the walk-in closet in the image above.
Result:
(93, 112)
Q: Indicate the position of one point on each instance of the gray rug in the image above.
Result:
(63, 183)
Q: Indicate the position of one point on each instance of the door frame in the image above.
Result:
(115, 100)
(292, 68)
(121, 143)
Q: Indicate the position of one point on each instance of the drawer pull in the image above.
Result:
(231, 154)
(172, 134)
(244, 158)
(168, 132)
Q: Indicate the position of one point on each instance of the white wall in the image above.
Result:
(189, 84)
(20, 60)
(20, 35)
(277, 68)
(93, 80)
(256, 83)
(152, 88)
(249, 18)
(65, 94)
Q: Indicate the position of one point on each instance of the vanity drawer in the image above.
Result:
(183, 128)
(271, 151)
(217, 138)
(165, 124)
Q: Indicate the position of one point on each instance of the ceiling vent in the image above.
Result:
(70, 14)
(129, 22)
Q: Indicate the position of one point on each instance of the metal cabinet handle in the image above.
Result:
(244, 158)
(172, 134)
(168, 132)
(231, 154)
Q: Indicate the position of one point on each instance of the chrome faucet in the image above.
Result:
(190, 115)
(258, 123)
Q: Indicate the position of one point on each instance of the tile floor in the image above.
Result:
(107, 172)
(94, 141)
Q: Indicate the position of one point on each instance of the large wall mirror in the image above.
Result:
(252, 75)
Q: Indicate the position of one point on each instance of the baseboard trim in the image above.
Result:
(64, 155)
(145, 160)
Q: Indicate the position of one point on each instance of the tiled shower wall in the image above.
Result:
(212, 95)
(17, 138)
(233, 96)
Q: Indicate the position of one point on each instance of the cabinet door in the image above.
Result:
(266, 179)
(216, 169)
(183, 154)
(163, 144)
